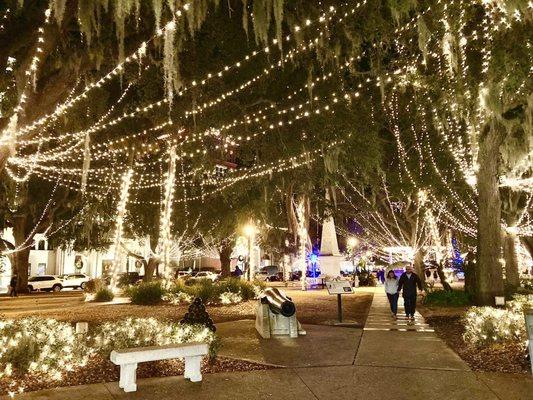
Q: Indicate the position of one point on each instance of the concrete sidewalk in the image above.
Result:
(391, 361)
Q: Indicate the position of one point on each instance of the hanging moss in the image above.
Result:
(262, 17)
(245, 16)
(278, 18)
(58, 8)
(196, 15)
(401, 8)
(157, 7)
(89, 16)
(423, 38)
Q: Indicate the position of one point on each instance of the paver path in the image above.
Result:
(380, 319)
(393, 362)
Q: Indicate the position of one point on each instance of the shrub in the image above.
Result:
(527, 283)
(245, 289)
(103, 294)
(45, 346)
(206, 290)
(486, 325)
(447, 298)
(178, 298)
(147, 293)
(140, 332)
(230, 298)
(520, 303)
(93, 285)
(211, 292)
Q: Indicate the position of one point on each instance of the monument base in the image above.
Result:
(331, 266)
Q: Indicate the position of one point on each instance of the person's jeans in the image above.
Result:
(409, 303)
(393, 302)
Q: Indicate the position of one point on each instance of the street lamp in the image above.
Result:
(249, 231)
(352, 242)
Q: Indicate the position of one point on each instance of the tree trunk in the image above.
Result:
(418, 264)
(22, 256)
(527, 242)
(512, 276)
(489, 277)
(149, 268)
(440, 272)
(224, 253)
(469, 267)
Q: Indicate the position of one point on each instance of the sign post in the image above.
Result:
(339, 287)
(529, 328)
(339, 306)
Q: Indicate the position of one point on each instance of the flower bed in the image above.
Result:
(45, 349)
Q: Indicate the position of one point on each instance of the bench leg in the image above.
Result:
(128, 377)
(193, 368)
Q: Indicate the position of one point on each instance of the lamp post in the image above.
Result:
(249, 231)
(352, 242)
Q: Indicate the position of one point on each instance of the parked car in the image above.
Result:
(46, 283)
(183, 275)
(125, 278)
(74, 280)
(206, 275)
(296, 275)
(261, 275)
(278, 277)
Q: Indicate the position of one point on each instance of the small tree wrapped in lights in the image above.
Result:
(197, 314)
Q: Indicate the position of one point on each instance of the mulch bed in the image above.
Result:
(313, 307)
(100, 370)
(504, 357)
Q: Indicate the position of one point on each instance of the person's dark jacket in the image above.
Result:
(13, 281)
(409, 285)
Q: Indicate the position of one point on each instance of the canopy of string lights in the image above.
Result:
(408, 122)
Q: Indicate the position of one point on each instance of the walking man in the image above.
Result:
(13, 285)
(408, 283)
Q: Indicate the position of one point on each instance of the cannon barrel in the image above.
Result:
(278, 302)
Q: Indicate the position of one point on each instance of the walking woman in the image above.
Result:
(391, 288)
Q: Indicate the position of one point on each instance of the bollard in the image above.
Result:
(82, 327)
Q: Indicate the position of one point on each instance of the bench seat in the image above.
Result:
(129, 358)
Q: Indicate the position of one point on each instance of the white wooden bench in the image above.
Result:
(129, 358)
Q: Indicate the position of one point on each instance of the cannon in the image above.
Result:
(278, 302)
(276, 315)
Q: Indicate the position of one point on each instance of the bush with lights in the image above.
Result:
(104, 294)
(48, 348)
(227, 291)
(487, 325)
(141, 332)
(42, 346)
(147, 293)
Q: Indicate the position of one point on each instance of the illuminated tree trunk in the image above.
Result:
(418, 264)
(489, 277)
(527, 242)
(22, 256)
(224, 252)
(150, 267)
(512, 277)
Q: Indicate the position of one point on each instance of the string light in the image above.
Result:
(119, 229)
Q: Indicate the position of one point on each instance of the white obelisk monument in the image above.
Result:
(330, 257)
